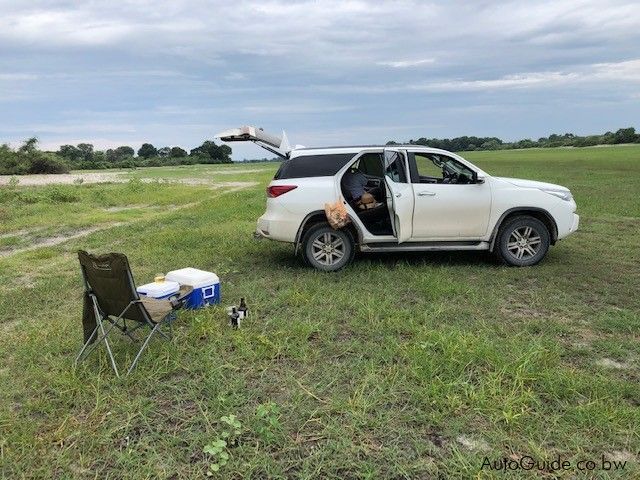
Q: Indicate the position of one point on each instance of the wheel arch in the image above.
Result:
(319, 216)
(540, 213)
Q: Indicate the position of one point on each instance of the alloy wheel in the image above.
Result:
(328, 248)
(524, 243)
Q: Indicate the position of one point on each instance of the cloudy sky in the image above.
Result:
(328, 72)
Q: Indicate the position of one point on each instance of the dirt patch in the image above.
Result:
(209, 183)
(124, 208)
(57, 239)
(621, 456)
(119, 177)
(232, 172)
(473, 444)
(20, 233)
(65, 178)
(609, 363)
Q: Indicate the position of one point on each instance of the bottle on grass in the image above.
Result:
(243, 310)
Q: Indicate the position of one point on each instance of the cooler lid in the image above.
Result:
(159, 289)
(193, 277)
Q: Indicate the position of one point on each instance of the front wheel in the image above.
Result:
(328, 249)
(522, 241)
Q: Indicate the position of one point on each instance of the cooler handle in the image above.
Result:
(208, 292)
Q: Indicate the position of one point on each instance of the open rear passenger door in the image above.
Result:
(400, 193)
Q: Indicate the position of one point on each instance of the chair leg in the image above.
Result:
(84, 347)
(144, 345)
(99, 339)
(106, 342)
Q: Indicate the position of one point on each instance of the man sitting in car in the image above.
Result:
(353, 184)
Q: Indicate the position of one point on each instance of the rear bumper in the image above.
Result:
(279, 229)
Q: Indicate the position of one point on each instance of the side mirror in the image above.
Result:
(476, 178)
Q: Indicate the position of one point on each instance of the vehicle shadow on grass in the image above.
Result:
(391, 259)
(454, 258)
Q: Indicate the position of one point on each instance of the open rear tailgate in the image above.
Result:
(273, 143)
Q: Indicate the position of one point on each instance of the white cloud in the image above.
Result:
(17, 76)
(235, 76)
(620, 72)
(407, 63)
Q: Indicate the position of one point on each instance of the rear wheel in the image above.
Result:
(522, 241)
(327, 249)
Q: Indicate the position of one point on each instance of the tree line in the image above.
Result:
(28, 158)
(459, 144)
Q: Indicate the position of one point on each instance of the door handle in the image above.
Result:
(398, 195)
(426, 194)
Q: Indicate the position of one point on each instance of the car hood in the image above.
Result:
(532, 184)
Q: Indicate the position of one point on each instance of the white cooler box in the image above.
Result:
(206, 286)
(159, 290)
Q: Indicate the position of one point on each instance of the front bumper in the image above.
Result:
(568, 226)
(576, 223)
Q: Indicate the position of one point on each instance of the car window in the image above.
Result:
(438, 168)
(312, 166)
(371, 164)
(426, 167)
(394, 166)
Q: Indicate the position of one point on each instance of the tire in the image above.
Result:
(327, 249)
(522, 241)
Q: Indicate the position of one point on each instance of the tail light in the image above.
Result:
(274, 191)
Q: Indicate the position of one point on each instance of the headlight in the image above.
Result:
(563, 194)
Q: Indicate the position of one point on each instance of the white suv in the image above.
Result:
(426, 200)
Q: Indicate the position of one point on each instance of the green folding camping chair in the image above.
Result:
(111, 299)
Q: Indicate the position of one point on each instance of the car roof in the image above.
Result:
(303, 151)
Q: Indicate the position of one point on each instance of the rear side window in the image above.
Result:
(312, 166)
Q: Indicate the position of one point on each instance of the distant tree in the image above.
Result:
(209, 152)
(69, 152)
(226, 153)
(165, 152)
(147, 151)
(99, 156)
(41, 162)
(177, 152)
(29, 159)
(124, 151)
(526, 143)
(110, 155)
(29, 146)
(625, 135)
(86, 150)
(490, 145)
(118, 154)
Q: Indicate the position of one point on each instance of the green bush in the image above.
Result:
(61, 194)
(40, 162)
(28, 159)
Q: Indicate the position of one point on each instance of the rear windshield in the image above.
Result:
(312, 166)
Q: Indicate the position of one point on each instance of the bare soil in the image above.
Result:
(104, 177)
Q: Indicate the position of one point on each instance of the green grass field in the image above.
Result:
(399, 366)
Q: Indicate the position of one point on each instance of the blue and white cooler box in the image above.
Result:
(159, 290)
(206, 286)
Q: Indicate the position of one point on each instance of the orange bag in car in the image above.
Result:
(336, 213)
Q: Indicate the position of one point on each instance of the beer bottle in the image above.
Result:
(234, 318)
(243, 310)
